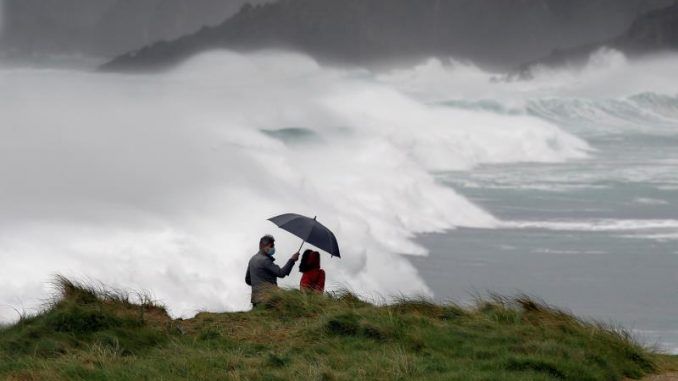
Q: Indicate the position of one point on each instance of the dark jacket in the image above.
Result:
(263, 274)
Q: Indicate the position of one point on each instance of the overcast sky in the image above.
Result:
(106, 27)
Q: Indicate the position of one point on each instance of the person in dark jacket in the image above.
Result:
(314, 277)
(262, 274)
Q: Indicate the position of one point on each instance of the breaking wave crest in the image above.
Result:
(610, 94)
(164, 182)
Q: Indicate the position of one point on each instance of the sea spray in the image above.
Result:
(610, 91)
(163, 182)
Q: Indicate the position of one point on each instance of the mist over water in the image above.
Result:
(163, 182)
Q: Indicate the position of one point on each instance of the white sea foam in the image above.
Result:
(650, 201)
(661, 237)
(163, 182)
(608, 94)
(607, 75)
(594, 225)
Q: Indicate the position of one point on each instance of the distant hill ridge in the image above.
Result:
(653, 32)
(501, 33)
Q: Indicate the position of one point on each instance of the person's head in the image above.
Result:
(310, 260)
(267, 244)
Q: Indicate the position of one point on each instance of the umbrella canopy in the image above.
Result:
(310, 230)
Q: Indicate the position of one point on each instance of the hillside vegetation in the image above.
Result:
(95, 334)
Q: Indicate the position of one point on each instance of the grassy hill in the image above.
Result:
(95, 334)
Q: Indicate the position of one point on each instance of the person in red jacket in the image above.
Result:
(314, 277)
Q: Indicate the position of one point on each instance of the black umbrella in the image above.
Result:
(309, 230)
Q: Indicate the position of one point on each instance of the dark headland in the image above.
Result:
(499, 33)
(653, 32)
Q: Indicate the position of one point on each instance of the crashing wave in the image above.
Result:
(164, 181)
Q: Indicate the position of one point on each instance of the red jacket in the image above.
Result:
(314, 276)
(313, 280)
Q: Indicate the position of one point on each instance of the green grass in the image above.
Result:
(94, 334)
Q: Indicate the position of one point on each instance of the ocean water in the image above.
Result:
(596, 236)
(438, 180)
